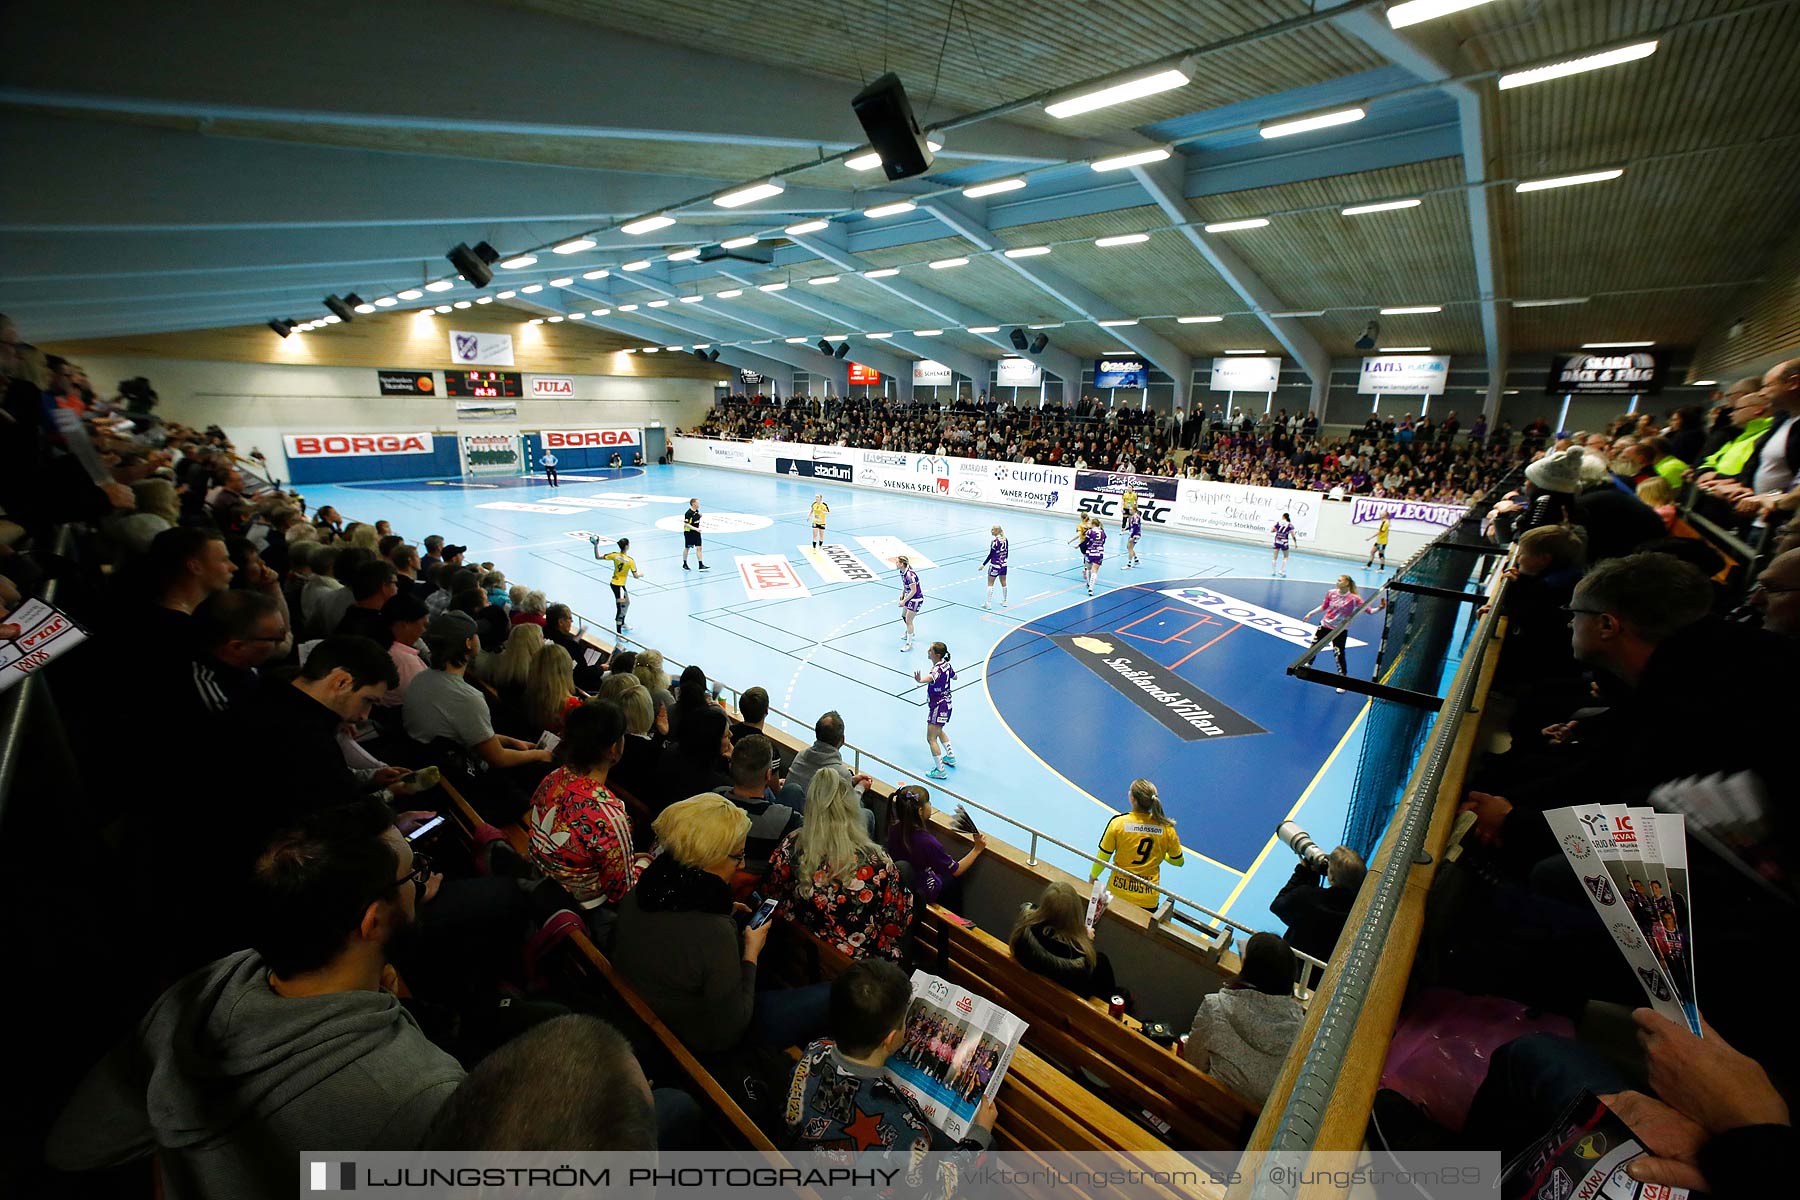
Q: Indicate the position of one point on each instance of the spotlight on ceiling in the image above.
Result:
(474, 265)
(1018, 338)
(1038, 343)
(842, 350)
(343, 311)
(1371, 332)
(282, 325)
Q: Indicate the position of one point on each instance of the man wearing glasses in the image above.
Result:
(1777, 594)
(297, 1044)
(237, 632)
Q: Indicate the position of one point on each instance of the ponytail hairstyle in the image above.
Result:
(1144, 800)
(902, 561)
(943, 651)
(908, 808)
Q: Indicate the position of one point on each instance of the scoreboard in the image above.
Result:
(486, 385)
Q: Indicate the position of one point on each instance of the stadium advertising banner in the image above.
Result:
(1048, 489)
(1018, 372)
(1415, 514)
(481, 349)
(1243, 373)
(1121, 373)
(806, 468)
(355, 445)
(1425, 374)
(919, 474)
(1246, 511)
(931, 374)
(1101, 493)
(1605, 375)
(403, 382)
(590, 439)
(551, 387)
(862, 374)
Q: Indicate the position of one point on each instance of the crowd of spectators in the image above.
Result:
(317, 676)
(1388, 456)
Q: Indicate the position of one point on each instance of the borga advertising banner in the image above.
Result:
(1423, 374)
(481, 349)
(589, 439)
(1413, 514)
(355, 445)
(1241, 509)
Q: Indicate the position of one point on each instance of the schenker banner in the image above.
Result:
(1638, 373)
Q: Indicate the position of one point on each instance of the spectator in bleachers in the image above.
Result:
(1051, 938)
(508, 672)
(1315, 914)
(1242, 1033)
(678, 942)
(559, 630)
(434, 551)
(186, 566)
(372, 585)
(1550, 561)
(753, 711)
(840, 1096)
(296, 1044)
(648, 666)
(1727, 469)
(438, 577)
(156, 511)
(531, 609)
(910, 840)
(550, 692)
(636, 772)
(332, 606)
(825, 752)
(300, 574)
(837, 882)
(441, 703)
(1777, 594)
(406, 570)
(694, 760)
(580, 833)
(237, 632)
(570, 1085)
(752, 789)
(1657, 493)
(1615, 520)
(690, 696)
(403, 621)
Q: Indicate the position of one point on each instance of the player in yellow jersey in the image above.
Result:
(1379, 549)
(1139, 841)
(819, 509)
(623, 565)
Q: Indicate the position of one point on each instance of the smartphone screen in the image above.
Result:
(426, 828)
(761, 916)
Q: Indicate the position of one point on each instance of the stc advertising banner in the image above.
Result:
(1246, 511)
(1101, 494)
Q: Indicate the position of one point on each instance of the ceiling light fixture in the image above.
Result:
(461, 304)
(562, 281)
(1357, 210)
(504, 295)
(1412, 310)
(577, 316)
(1406, 349)
(599, 273)
(1344, 116)
(1230, 226)
(386, 302)
(728, 294)
(1118, 93)
(1704, 383)
(554, 320)
(822, 280)
(890, 210)
(1116, 324)
(440, 285)
(984, 329)
(519, 261)
(603, 312)
(1617, 345)
(692, 299)
(863, 162)
(642, 264)
(1292, 315)
(737, 243)
(536, 321)
(1246, 352)
(772, 287)
(796, 341)
(651, 350)
(1049, 325)
(1561, 181)
(927, 332)
(646, 225)
(531, 289)
(365, 308)
(1026, 251)
(574, 246)
(1122, 239)
(879, 335)
(659, 304)
(944, 264)
(1549, 303)
(684, 255)
(805, 227)
(994, 188)
(1137, 158)
(1198, 320)
(749, 194)
(628, 308)
(882, 273)
(409, 294)
(1414, 11)
(1575, 66)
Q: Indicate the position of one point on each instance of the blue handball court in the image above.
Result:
(1173, 671)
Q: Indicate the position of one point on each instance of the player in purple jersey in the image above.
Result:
(995, 562)
(1134, 529)
(1284, 533)
(912, 596)
(1093, 550)
(937, 709)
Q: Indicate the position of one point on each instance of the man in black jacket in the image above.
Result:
(1315, 915)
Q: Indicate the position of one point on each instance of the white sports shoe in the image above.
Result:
(987, 604)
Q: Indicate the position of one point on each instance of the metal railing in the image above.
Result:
(16, 703)
(1298, 1126)
(1199, 918)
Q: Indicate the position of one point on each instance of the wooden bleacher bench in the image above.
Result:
(1201, 1112)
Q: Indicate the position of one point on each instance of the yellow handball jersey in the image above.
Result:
(1139, 845)
(819, 509)
(623, 565)
(1381, 534)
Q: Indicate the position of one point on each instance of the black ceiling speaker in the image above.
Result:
(712, 356)
(343, 311)
(894, 133)
(472, 265)
(1038, 344)
(283, 326)
(1019, 340)
(701, 355)
(825, 347)
(1371, 332)
(842, 350)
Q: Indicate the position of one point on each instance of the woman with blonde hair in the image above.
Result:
(1138, 842)
(645, 730)
(363, 536)
(550, 690)
(649, 669)
(1336, 610)
(838, 883)
(1656, 492)
(677, 938)
(1051, 938)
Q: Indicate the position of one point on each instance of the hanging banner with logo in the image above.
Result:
(590, 439)
(1637, 373)
(403, 382)
(551, 387)
(1424, 374)
(806, 468)
(931, 374)
(862, 374)
(1019, 372)
(1244, 373)
(481, 349)
(1121, 373)
(1253, 511)
(1102, 494)
(1414, 514)
(355, 445)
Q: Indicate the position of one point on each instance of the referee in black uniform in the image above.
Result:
(690, 536)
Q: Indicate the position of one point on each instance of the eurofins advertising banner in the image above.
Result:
(1248, 511)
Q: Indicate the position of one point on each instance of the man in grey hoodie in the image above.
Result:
(292, 1046)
